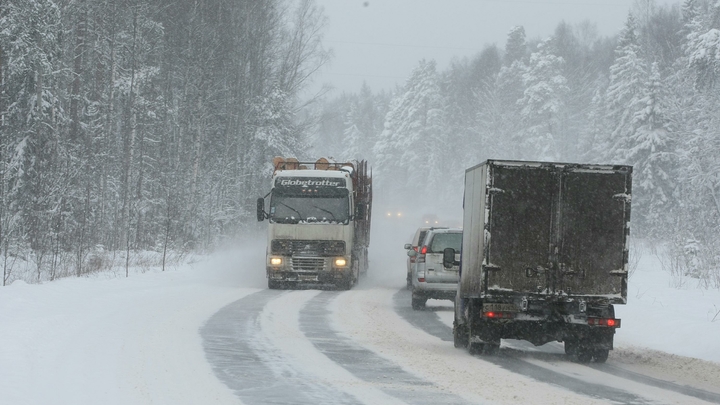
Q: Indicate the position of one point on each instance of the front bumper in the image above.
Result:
(439, 291)
(308, 269)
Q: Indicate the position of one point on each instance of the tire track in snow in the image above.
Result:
(510, 360)
(365, 364)
(243, 360)
(435, 327)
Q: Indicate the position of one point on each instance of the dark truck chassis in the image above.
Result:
(586, 335)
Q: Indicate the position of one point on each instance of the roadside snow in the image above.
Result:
(115, 341)
(667, 319)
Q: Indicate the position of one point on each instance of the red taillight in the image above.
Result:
(421, 256)
(415, 248)
(609, 322)
(499, 315)
(421, 279)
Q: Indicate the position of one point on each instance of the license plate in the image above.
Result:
(496, 307)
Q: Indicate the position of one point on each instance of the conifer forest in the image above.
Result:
(133, 125)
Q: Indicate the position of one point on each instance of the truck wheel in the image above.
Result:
(418, 303)
(583, 355)
(601, 355)
(460, 335)
(475, 348)
(570, 347)
(408, 279)
(274, 284)
(491, 349)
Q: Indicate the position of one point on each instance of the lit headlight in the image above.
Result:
(276, 261)
(340, 262)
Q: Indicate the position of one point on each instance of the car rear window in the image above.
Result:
(446, 240)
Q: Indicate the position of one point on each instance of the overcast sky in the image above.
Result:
(380, 41)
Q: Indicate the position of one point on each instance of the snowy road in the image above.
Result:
(367, 346)
(211, 332)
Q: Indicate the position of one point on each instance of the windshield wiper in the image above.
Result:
(298, 212)
(329, 212)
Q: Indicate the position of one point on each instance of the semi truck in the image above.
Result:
(319, 216)
(544, 256)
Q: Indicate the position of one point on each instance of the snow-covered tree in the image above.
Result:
(543, 103)
(703, 46)
(623, 96)
(651, 152)
(413, 134)
(498, 107)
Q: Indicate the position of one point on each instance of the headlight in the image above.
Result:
(340, 262)
(275, 261)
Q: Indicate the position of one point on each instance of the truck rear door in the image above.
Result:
(519, 227)
(595, 212)
(565, 226)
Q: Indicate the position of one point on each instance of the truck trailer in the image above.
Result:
(319, 223)
(544, 256)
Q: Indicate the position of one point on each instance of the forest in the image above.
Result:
(134, 125)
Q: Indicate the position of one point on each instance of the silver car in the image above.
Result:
(430, 279)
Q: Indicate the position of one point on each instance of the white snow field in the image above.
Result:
(116, 340)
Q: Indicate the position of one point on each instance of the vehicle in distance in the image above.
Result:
(430, 278)
(414, 244)
(319, 222)
(545, 256)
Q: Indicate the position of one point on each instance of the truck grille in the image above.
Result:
(308, 263)
(320, 248)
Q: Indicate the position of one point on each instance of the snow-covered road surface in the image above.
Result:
(212, 333)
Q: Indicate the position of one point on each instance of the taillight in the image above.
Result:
(421, 256)
(609, 322)
(415, 248)
(499, 315)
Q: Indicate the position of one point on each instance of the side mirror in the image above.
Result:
(408, 246)
(260, 209)
(412, 253)
(448, 257)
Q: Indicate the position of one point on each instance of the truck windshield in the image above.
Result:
(292, 209)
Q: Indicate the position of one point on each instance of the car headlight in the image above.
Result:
(276, 261)
(340, 262)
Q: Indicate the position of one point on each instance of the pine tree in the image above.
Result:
(650, 151)
(543, 103)
(623, 97)
(405, 150)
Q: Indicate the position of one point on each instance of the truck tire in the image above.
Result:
(570, 347)
(460, 335)
(474, 348)
(418, 303)
(274, 284)
(601, 355)
(491, 349)
(583, 355)
(408, 279)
